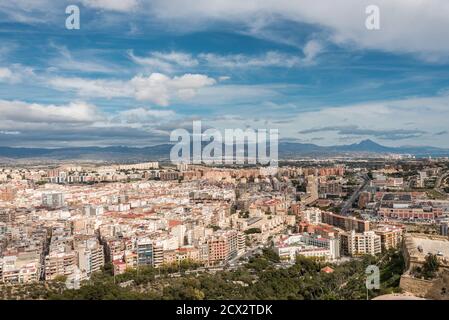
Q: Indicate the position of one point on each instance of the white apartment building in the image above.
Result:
(354, 244)
(24, 268)
(90, 257)
(312, 215)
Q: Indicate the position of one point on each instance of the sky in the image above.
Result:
(138, 69)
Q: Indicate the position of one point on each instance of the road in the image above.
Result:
(355, 195)
(439, 181)
(247, 254)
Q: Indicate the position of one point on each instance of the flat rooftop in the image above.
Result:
(434, 246)
(397, 197)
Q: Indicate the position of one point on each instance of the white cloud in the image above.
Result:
(28, 11)
(9, 132)
(410, 26)
(113, 5)
(15, 73)
(269, 59)
(311, 50)
(92, 88)
(406, 26)
(66, 61)
(157, 87)
(23, 112)
(138, 115)
(165, 61)
(172, 61)
(179, 58)
(410, 121)
(226, 95)
(425, 114)
(5, 74)
(79, 124)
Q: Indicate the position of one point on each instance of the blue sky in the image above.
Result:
(138, 69)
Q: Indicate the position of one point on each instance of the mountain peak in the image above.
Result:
(368, 143)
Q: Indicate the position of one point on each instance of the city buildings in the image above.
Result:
(347, 223)
(355, 244)
(289, 247)
(69, 221)
(224, 246)
(53, 200)
(390, 236)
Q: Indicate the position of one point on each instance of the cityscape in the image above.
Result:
(61, 225)
(249, 151)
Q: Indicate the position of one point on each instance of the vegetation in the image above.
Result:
(435, 195)
(429, 269)
(261, 278)
(214, 227)
(244, 214)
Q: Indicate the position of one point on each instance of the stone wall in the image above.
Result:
(430, 289)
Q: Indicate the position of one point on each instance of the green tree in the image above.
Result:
(430, 266)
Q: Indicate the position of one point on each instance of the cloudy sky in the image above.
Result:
(137, 69)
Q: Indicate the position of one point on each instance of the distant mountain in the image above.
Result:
(365, 146)
(116, 153)
(162, 152)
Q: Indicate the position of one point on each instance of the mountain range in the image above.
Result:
(287, 150)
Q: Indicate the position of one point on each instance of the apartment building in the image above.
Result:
(169, 175)
(225, 245)
(390, 236)
(21, 268)
(60, 264)
(158, 254)
(345, 223)
(90, 256)
(354, 244)
(332, 171)
(144, 250)
(139, 166)
(404, 211)
(311, 215)
(53, 200)
(330, 188)
(444, 228)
